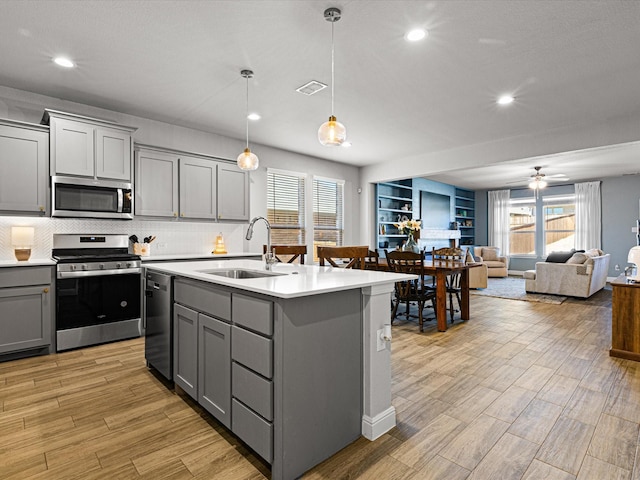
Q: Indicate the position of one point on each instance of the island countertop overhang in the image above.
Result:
(296, 281)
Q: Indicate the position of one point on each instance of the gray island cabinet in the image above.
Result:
(289, 363)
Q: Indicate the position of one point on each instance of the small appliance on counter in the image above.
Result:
(98, 290)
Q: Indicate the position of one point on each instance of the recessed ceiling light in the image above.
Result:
(415, 35)
(64, 62)
(505, 100)
(254, 116)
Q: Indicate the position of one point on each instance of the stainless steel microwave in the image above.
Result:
(91, 198)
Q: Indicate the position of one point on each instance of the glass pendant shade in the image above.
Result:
(537, 184)
(247, 160)
(332, 133)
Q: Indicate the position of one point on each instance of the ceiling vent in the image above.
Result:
(311, 87)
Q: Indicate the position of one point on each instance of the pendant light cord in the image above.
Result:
(333, 80)
(247, 116)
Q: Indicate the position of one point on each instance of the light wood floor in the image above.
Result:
(521, 391)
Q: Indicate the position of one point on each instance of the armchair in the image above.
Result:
(497, 266)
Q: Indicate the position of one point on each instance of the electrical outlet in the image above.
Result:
(381, 342)
(161, 246)
(617, 268)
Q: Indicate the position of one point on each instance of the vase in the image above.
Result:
(411, 245)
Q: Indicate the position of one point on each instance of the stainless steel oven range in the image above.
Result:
(98, 290)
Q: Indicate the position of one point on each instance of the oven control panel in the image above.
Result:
(100, 267)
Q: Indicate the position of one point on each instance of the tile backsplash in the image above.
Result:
(173, 237)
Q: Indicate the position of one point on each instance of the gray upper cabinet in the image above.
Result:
(24, 167)
(156, 183)
(233, 193)
(170, 183)
(198, 196)
(88, 147)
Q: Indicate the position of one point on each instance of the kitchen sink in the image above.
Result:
(240, 273)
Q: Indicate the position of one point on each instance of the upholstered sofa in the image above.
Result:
(497, 266)
(573, 278)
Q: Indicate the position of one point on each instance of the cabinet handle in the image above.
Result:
(175, 214)
(182, 214)
(219, 216)
(45, 290)
(41, 208)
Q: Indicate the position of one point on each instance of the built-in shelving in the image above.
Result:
(465, 215)
(395, 203)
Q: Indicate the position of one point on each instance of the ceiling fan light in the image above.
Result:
(332, 133)
(247, 160)
(542, 184)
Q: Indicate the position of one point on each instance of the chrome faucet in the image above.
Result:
(270, 256)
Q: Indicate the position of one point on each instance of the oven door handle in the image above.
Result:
(98, 273)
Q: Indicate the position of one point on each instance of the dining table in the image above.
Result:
(440, 269)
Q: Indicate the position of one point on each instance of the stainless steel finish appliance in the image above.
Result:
(98, 290)
(87, 197)
(158, 324)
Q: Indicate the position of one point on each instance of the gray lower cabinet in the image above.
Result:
(202, 346)
(24, 168)
(214, 368)
(25, 309)
(284, 375)
(185, 349)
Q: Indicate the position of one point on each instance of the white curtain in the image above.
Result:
(499, 220)
(588, 215)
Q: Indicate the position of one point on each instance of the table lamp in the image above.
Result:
(22, 240)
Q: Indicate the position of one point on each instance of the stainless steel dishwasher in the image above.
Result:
(158, 315)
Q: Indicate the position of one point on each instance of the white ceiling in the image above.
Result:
(567, 63)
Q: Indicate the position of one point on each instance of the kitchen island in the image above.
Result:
(292, 361)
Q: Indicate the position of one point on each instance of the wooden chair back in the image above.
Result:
(372, 260)
(448, 253)
(294, 251)
(332, 255)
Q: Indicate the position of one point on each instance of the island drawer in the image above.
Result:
(252, 429)
(253, 313)
(252, 350)
(204, 298)
(252, 390)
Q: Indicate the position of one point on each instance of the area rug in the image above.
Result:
(513, 288)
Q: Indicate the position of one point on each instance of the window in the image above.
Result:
(285, 207)
(552, 230)
(559, 223)
(522, 226)
(328, 228)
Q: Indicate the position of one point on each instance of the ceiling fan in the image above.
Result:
(539, 180)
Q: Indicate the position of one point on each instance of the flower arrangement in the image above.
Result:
(408, 227)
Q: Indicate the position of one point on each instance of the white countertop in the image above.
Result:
(29, 263)
(298, 281)
(191, 256)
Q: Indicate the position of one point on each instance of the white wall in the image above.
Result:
(180, 237)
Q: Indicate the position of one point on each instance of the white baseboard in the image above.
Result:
(377, 426)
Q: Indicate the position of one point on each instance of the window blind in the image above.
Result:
(328, 212)
(285, 207)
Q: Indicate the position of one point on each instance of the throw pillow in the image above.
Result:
(559, 257)
(578, 258)
(489, 254)
(594, 252)
(469, 258)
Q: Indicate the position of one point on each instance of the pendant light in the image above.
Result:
(247, 160)
(332, 133)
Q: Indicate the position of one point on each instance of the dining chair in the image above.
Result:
(350, 257)
(294, 251)
(408, 291)
(451, 254)
(372, 261)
